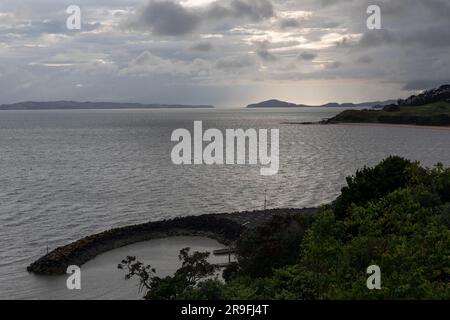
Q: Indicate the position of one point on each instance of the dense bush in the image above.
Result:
(396, 233)
(372, 183)
(272, 245)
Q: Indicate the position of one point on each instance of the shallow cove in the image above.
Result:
(100, 278)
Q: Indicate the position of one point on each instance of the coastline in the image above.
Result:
(392, 125)
(368, 124)
(225, 228)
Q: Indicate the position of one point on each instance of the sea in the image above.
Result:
(67, 174)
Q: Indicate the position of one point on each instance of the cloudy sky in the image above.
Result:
(225, 52)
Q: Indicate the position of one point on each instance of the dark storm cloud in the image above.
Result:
(167, 18)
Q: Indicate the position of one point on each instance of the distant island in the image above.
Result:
(431, 108)
(69, 105)
(282, 104)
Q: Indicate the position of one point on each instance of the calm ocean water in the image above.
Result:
(67, 174)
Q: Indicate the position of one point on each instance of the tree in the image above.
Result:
(135, 268)
(371, 183)
(270, 246)
(195, 267)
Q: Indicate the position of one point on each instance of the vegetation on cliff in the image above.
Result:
(435, 114)
(395, 215)
(430, 108)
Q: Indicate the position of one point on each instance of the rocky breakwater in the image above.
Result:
(225, 228)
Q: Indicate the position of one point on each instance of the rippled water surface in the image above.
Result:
(68, 174)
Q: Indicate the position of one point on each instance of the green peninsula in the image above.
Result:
(431, 108)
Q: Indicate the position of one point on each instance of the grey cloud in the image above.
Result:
(441, 8)
(434, 36)
(254, 10)
(374, 38)
(307, 56)
(424, 84)
(333, 65)
(264, 53)
(289, 23)
(346, 42)
(235, 63)
(427, 8)
(365, 60)
(325, 3)
(202, 47)
(36, 27)
(148, 63)
(166, 18)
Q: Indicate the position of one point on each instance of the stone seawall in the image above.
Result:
(225, 228)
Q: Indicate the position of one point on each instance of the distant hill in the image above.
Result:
(282, 104)
(67, 105)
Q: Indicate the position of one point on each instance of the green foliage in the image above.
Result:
(231, 271)
(194, 267)
(395, 233)
(211, 289)
(272, 245)
(372, 183)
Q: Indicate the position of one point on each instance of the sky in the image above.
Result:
(228, 53)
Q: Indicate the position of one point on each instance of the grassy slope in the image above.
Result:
(435, 114)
